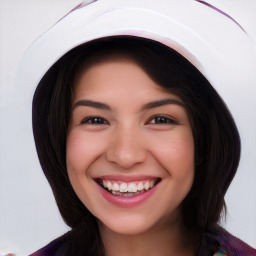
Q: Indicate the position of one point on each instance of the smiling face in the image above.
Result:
(130, 148)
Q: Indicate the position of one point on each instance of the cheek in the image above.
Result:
(176, 153)
(81, 150)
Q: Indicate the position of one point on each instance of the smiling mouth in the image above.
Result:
(127, 189)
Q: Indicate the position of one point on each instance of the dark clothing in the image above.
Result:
(59, 247)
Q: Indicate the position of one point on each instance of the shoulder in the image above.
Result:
(231, 245)
(57, 247)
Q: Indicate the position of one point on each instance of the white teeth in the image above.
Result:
(124, 194)
(115, 187)
(130, 188)
(140, 186)
(146, 185)
(123, 187)
(109, 185)
(128, 194)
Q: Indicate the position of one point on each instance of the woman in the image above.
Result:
(139, 150)
(86, 110)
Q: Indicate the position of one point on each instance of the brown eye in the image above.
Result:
(94, 120)
(162, 120)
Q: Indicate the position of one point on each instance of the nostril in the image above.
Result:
(127, 146)
(126, 157)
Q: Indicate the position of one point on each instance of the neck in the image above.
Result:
(172, 239)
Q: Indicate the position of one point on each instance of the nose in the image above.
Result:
(126, 149)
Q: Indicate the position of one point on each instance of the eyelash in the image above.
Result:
(162, 120)
(159, 120)
(98, 120)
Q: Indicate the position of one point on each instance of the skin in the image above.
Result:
(127, 140)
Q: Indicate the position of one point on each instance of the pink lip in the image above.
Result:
(126, 202)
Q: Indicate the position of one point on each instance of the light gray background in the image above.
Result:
(28, 215)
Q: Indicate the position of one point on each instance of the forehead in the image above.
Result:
(114, 75)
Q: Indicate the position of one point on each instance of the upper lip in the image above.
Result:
(124, 178)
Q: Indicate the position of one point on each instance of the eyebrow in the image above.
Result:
(153, 104)
(90, 103)
(159, 103)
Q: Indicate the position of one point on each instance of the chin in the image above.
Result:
(127, 225)
(137, 224)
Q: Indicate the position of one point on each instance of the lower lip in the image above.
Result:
(127, 202)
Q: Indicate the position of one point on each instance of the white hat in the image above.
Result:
(207, 37)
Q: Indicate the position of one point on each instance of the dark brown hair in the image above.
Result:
(217, 143)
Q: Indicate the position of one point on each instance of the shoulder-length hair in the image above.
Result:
(216, 139)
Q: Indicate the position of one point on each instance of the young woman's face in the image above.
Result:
(130, 148)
